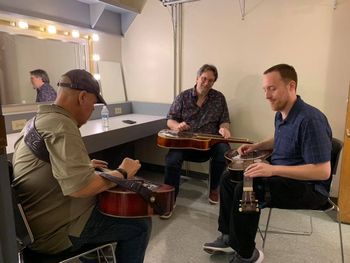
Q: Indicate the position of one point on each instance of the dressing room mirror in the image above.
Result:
(20, 54)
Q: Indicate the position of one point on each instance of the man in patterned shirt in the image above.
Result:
(41, 82)
(297, 178)
(200, 109)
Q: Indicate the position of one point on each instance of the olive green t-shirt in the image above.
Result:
(44, 188)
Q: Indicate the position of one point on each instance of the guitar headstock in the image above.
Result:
(249, 204)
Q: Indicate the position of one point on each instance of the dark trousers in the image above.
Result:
(175, 158)
(131, 235)
(242, 227)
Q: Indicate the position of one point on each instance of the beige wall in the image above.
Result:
(308, 34)
(108, 47)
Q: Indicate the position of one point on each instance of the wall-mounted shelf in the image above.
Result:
(127, 9)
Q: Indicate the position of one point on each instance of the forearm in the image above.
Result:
(264, 145)
(319, 171)
(95, 186)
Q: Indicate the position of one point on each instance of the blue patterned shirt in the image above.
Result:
(46, 93)
(204, 119)
(304, 137)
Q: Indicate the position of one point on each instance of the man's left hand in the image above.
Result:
(99, 163)
(225, 133)
(259, 170)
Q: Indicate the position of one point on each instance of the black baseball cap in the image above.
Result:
(80, 79)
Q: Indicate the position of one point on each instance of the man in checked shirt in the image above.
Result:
(200, 109)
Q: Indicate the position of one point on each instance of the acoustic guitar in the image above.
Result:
(135, 197)
(236, 166)
(189, 140)
(121, 202)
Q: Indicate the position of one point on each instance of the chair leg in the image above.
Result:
(187, 168)
(340, 231)
(283, 231)
(266, 229)
(99, 251)
(20, 256)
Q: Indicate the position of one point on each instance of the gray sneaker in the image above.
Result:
(257, 257)
(219, 246)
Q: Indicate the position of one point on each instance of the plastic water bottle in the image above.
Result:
(105, 116)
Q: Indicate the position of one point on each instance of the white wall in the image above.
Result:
(307, 34)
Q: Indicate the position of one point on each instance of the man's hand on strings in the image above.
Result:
(246, 148)
(183, 126)
(130, 166)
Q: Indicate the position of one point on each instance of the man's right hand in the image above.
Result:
(246, 148)
(183, 126)
(130, 166)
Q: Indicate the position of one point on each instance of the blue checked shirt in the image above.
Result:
(304, 137)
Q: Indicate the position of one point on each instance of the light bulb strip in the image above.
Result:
(11, 26)
(44, 30)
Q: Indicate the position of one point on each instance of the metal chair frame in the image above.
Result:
(332, 206)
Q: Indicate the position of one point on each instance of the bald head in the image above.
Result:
(79, 103)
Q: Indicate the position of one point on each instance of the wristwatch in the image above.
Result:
(123, 172)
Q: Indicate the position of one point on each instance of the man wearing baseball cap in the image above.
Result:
(58, 194)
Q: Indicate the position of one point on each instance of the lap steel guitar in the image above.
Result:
(189, 140)
(236, 166)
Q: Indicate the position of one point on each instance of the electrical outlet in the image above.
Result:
(118, 110)
(18, 124)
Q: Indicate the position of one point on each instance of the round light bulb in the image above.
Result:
(23, 24)
(75, 33)
(51, 29)
(95, 37)
(97, 76)
(95, 57)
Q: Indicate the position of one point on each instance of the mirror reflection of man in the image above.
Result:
(41, 83)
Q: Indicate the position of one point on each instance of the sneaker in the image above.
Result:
(219, 246)
(214, 197)
(257, 257)
(167, 215)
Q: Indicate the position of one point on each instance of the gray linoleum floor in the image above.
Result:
(194, 222)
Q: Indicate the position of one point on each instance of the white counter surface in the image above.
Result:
(98, 138)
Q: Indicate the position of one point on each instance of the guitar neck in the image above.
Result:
(247, 184)
(215, 137)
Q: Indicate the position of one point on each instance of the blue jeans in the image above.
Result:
(175, 158)
(131, 234)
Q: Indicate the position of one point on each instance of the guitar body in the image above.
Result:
(236, 166)
(188, 140)
(120, 202)
(240, 163)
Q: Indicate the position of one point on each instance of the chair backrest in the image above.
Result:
(337, 146)
(23, 233)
